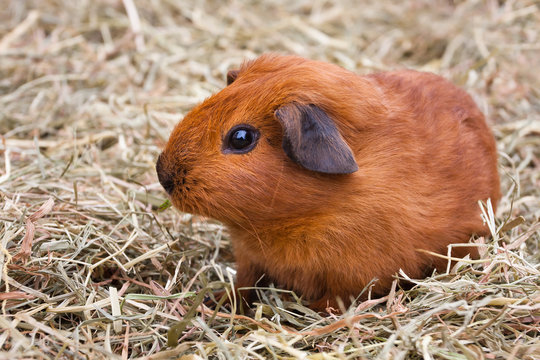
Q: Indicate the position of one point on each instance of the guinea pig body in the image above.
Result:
(328, 180)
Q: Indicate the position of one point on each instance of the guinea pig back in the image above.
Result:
(327, 179)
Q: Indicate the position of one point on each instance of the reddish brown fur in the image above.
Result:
(425, 157)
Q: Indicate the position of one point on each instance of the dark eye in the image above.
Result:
(241, 139)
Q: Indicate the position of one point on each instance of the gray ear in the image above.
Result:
(231, 76)
(311, 139)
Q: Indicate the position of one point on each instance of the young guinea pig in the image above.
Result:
(327, 180)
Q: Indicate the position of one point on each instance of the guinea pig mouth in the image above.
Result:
(168, 185)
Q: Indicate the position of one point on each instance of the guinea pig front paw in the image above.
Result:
(216, 298)
(221, 298)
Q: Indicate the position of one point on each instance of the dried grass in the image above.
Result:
(91, 268)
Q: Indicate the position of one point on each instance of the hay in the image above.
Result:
(92, 268)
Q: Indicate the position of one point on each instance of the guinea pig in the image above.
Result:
(327, 179)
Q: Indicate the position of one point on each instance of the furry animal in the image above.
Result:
(327, 179)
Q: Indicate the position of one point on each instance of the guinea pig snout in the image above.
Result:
(170, 176)
(165, 177)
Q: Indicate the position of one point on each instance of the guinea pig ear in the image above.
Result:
(231, 76)
(311, 139)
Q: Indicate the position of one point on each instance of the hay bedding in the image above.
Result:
(91, 267)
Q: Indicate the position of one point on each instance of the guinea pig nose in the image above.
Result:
(165, 178)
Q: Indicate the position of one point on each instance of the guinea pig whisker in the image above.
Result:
(198, 207)
(234, 213)
(277, 186)
(202, 202)
(257, 236)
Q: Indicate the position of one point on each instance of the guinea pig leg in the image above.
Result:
(247, 276)
(224, 298)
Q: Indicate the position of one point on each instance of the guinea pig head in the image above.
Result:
(264, 148)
